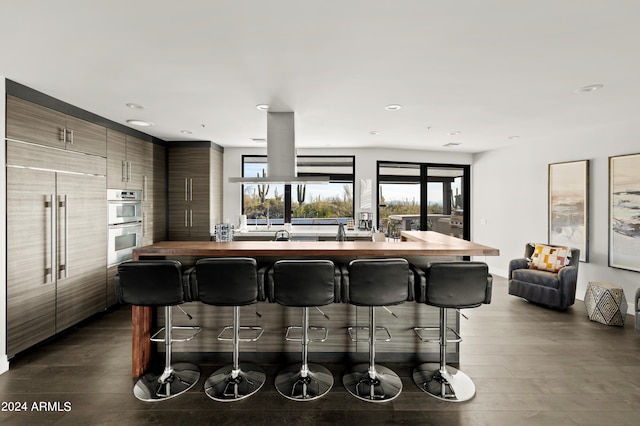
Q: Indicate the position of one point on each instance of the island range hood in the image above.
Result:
(281, 154)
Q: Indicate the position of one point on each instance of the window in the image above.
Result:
(310, 204)
(417, 196)
(260, 201)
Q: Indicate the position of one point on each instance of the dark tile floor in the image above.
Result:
(531, 366)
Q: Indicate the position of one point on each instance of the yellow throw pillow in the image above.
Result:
(547, 258)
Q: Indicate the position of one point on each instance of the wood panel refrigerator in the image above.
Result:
(56, 243)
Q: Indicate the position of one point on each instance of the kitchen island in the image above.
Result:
(425, 246)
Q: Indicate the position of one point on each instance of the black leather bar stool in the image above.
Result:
(375, 282)
(305, 284)
(159, 283)
(231, 282)
(454, 285)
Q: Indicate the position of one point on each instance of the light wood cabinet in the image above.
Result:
(128, 160)
(34, 123)
(56, 241)
(189, 193)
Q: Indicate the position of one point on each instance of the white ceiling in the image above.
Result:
(489, 69)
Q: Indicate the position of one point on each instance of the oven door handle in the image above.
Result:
(125, 225)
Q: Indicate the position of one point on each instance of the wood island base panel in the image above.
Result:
(416, 246)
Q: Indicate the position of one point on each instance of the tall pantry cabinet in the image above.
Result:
(191, 179)
(56, 222)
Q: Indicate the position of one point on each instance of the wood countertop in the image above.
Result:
(416, 243)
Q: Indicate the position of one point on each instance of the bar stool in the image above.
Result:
(231, 282)
(304, 283)
(375, 282)
(450, 285)
(159, 283)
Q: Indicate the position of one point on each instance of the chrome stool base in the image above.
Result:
(151, 387)
(452, 385)
(292, 385)
(223, 387)
(385, 387)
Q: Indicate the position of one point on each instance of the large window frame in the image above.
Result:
(338, 168)
(424, 179)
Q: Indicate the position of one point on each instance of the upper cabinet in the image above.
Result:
(128, 161)
(34, 123)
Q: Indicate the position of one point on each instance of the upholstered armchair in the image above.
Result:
(544, 287)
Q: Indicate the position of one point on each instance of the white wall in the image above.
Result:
(365, 168)
(4, 364)
(510, 197)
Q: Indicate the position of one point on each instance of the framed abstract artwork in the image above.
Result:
(569, 206)
(624, 212)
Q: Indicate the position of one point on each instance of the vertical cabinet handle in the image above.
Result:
(144, 224)
(190, 189)
(186, 190)
(186, 224)
(63, 135)
(128, 171)
(63, 267)
(50, 245)
(144, 188)
(70, 135)
(190, 218)
(124, 171)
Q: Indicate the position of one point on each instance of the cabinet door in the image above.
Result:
(31, 288)
(29, 122)
(85, 137)
(139, 160)
(154, 197)
(179, 172)
(199, 190)
(82, 248)
(189, 194)
(116, 157)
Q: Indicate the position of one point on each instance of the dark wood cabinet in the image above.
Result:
(189, 193)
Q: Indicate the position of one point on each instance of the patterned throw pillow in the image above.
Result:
(547, 258)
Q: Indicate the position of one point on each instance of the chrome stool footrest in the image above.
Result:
(423, 338)
(197, 329)
(311, 327)
(258, 330)
(366, 327)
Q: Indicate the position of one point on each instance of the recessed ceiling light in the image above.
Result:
(263, 107)
(454, 133)
(259, 140)
(136, 106)
(513, 137)
(393, 107)
(589, 88)
(140, 123)
(186, 132)
(452, 144)
(374, 132)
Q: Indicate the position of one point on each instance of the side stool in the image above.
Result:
(230, 282)
(456, 285)
(305, 284)
(371, 283)
(158, 283)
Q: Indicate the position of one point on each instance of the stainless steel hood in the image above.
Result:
(281, 154)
